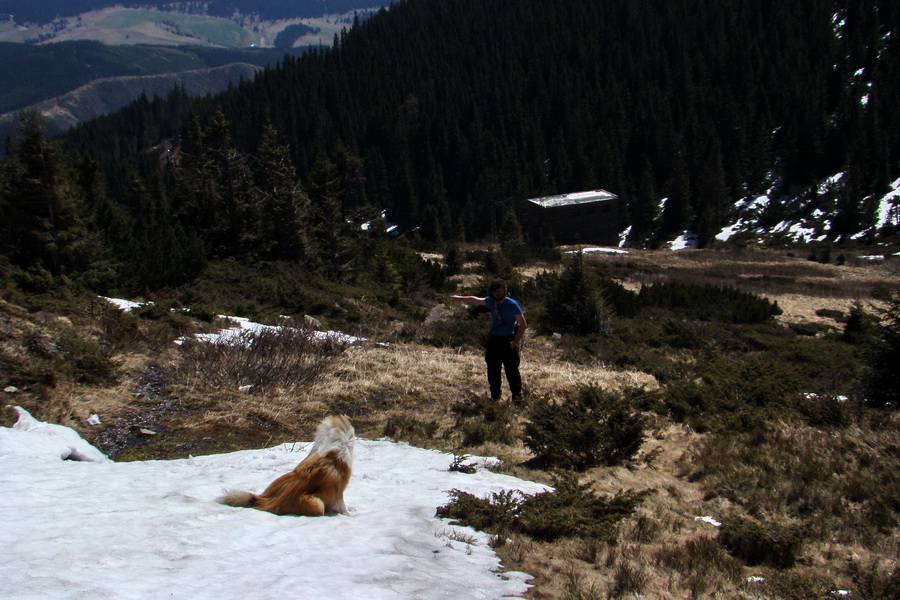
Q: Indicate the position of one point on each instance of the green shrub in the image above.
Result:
(466, 332)
(409, 428)
(570, 510)
(688, 335)
(837, 315)
(709, 302)
(453, 260)
(151, 311)
(574, 302)
(86, 361)
(760, 385)
(476, 433)
(826, 410)
(203, 312)
(496, 514)
(810, 329)
(859, 325)
(762, 543)
(622, 301)
(495, 264)
(459, 464)
(481, 422)
(592, 427)
(665, 369)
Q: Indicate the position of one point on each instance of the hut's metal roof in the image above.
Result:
(573, 199)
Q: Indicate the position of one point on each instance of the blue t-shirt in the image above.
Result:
(503, 321)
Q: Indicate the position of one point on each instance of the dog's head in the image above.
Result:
(336, 434)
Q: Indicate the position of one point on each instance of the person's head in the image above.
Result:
(497, 289)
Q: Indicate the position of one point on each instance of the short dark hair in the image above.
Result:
(496, 285)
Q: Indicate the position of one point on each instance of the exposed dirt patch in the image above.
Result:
(139, 426)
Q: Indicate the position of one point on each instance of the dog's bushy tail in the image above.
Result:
(238, 499)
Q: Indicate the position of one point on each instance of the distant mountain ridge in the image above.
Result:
(33, 74)
(47, 11)
(109, 94)
(51, 52)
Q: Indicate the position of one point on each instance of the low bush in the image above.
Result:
(772, 384)
(86, 361)
(463, 332)
(859, 325)
(476, 433)
(762, 542)
(837, 315)
(592, 427)
(811, 329)
(709, 302)
(409, 428)
(570, 510)
(664, 368)
(480, 422)
(270, 359)
(622, 301)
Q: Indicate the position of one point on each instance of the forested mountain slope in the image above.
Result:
(452, 106)
(443, 114)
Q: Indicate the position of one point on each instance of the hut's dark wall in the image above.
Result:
(587, 223)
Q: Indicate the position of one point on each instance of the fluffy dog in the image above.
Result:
(316, 486)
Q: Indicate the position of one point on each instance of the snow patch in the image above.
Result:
(153, 529)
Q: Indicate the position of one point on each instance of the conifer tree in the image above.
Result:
(283, 205)
(159, 252)
(511, 230)
(576, 304)
(677, 211)
(881, 378)
(42, 226)
(215, 191)
(326, 223)
(712, 196)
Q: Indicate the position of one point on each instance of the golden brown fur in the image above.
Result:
(316, 486)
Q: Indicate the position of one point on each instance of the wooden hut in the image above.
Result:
(583, 217)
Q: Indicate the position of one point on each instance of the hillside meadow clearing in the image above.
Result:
(743, 484)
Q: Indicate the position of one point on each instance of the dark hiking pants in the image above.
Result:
(498, 355)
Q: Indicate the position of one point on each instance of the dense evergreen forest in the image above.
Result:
(46, 11)
(443, 112)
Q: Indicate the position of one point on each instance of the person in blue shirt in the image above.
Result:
(502, 349)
